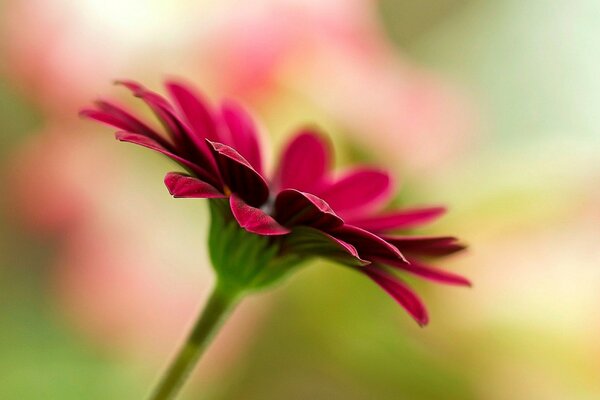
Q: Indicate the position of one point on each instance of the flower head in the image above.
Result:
(302, 210)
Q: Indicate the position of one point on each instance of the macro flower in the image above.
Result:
(301, 210)
(264, 226)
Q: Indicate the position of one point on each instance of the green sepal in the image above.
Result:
(242, 260)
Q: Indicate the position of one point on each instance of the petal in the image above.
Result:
(303, 163)
(128, 118)
(244, 137)
(145, 141)
(254, 219)
(239, 175)
(425, 245)
(178, 130)
(196, 110)
(185, 186)
(402, 219)
(107, 118)
(368, 244)
(358, 191)
(293, 207)
(134, 86)
(309, 241)
(399, 292)
(427, 272)
(117, 117)
(186, 141)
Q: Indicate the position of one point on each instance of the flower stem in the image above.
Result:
(220, 303)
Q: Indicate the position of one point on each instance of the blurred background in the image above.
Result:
(490, 107)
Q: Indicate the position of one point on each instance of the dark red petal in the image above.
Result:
(196, 110)
(399, 292)
(348, 248)
(357, 191)
(107, 118)
(368, 244)
(254, 219)
(433, 274)
(117, 117)
(177, 128)
(293, 207)
(185, 186)
(425, 245)
(307, 241)
(136, 125)
(145, 141)
(186, 141)
(244, 137)
(402, 219)
(239, 175)
(304, 163)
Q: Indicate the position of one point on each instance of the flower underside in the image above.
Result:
(301, 210)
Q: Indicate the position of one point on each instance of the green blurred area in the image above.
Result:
(41, 357)
(531, 67)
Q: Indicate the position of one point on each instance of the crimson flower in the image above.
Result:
(301, 210)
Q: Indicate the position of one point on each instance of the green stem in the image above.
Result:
(220, 303)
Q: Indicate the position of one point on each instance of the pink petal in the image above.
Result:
(178, 129)
(107, 118)
(196, 110)
(309, 241)
(427, 272)
(293, 207)
(304, 163)
(358, 191)
(126, 117)
(368, 244)
(402, 219)
(186, 141)
(254, 219)
(134, 86)
(239, 175)
(399, 292)
(425, 245)
(117, 117)
(347, 247)
(244, 137)
(185, 186)
(145, 141)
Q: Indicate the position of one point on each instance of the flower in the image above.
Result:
(302, 211)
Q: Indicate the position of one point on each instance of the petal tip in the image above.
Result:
(185, 186)
(170, 181)
(421, 318)
(136, 88)
(85, 113)
(121, 135)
